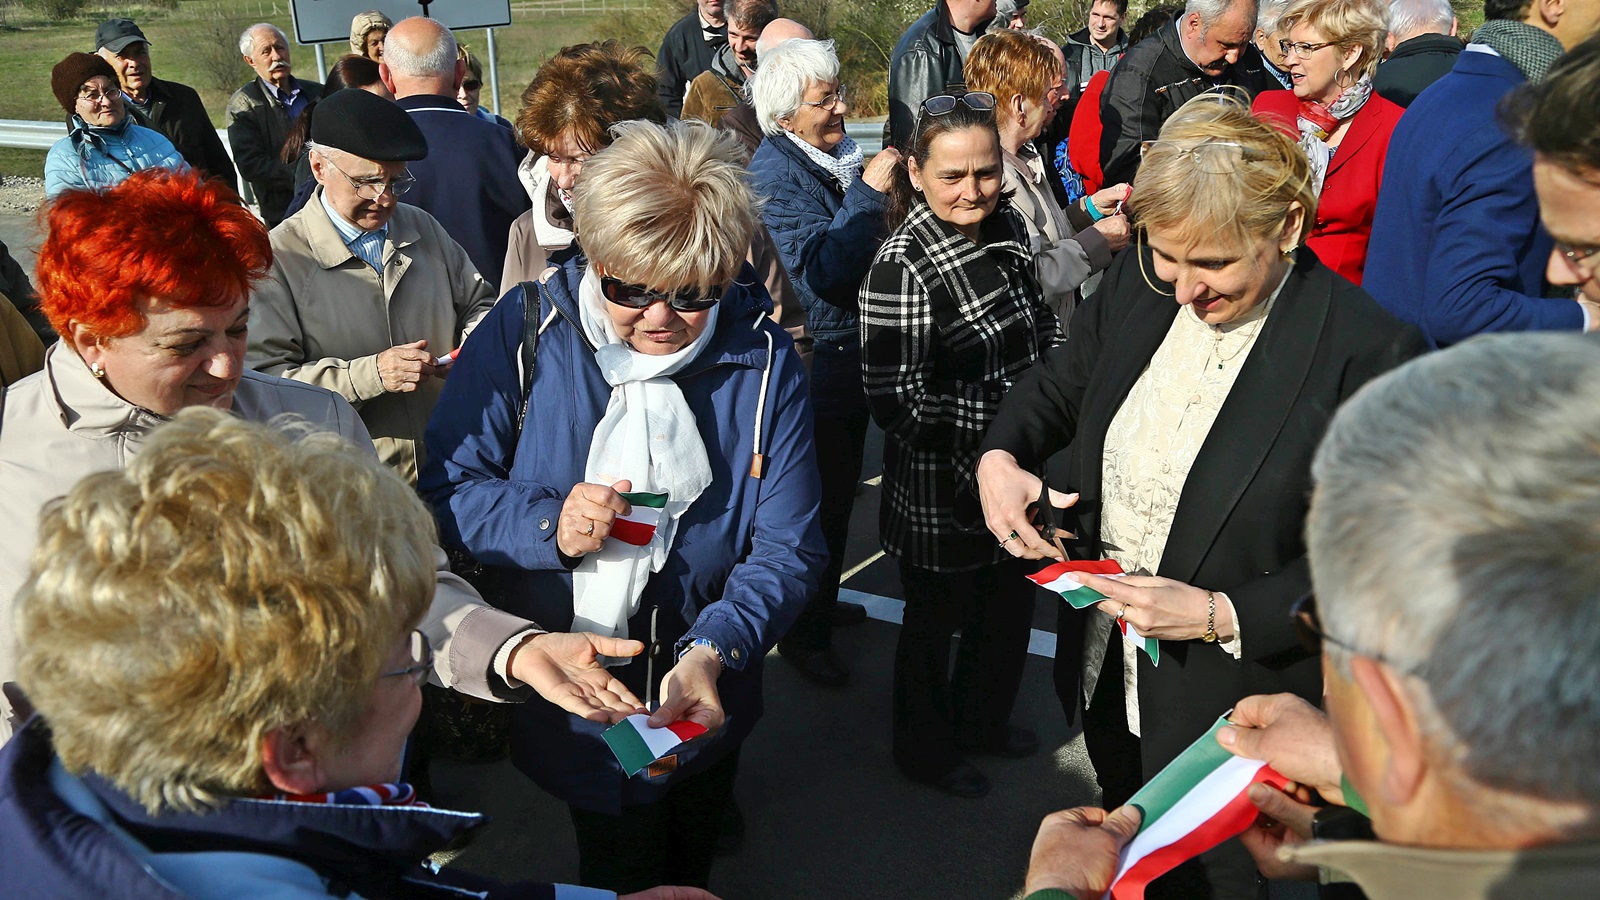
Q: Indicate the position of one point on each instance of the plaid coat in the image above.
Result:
(947, 327)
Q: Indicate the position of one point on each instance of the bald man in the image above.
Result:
(741, 120)
(469, 180)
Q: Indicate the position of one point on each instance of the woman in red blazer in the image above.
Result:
(1330, 52)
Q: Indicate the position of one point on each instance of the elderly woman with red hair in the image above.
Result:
(148, 284)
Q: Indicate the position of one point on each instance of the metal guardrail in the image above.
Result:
(868, 134)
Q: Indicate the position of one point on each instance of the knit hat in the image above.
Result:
(67, 78)
(364, 23)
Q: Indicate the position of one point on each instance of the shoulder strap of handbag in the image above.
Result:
(532, 329)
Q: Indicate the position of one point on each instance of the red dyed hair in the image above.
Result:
(160, 233)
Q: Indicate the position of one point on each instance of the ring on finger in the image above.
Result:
(1008, 540)
(1122, 613)
(589, 532)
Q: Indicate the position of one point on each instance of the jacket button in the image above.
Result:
(735, 654)
(544, 524)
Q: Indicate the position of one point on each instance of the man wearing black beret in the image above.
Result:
(367, 296)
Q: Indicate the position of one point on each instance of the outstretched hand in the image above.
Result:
(1077, 850)
(565, 669)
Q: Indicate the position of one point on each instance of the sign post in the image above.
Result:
(320, 21)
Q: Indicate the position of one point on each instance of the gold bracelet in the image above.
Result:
(1210, 636)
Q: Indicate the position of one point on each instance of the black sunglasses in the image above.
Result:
(944, 104)
(472, 84)
(635, 296)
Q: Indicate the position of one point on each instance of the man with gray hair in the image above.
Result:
(1266, 40)
(259, 115)
(1454, 542)
(1422, 47)
(1206, 47)
(468, 182)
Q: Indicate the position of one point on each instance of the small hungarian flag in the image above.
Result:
(637, 745)
(639, 525)
(1058, 578)
(1198, 801)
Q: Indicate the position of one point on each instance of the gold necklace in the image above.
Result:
(1242, 345)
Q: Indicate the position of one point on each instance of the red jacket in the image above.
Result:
(1350, 191)
(1083, 139)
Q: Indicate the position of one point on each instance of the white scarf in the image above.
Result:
(648, 435)
(534, 173)
(844, 163)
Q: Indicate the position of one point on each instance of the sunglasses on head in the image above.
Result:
(635, 296)
(944, 104)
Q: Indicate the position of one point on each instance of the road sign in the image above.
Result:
(317, 21)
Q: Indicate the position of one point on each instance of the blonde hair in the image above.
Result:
(1346, 23)
(667, 206)
(235, 578)
(1010, 62)
(1245, 202)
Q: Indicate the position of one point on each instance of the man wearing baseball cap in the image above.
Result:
(171, 108)
(367, 296)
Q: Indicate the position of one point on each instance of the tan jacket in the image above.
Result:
(533, 239)
(711, 96)
(21, 354)
(1064, 257)
(62, 423)
(1391, 872)
(322, 316)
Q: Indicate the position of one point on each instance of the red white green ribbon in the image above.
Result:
(637, 745)
(639, 525)
(1059, 578)
(1198, 801)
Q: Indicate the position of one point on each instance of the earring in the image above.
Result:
(97, 371)
(1288, 254)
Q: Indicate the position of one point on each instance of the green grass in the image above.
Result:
(196, 44)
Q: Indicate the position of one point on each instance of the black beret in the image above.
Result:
(366, 125)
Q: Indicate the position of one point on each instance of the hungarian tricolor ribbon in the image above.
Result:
(639, 525)
(637, 745)
(1059, 578)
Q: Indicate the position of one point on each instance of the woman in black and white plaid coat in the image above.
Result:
(951, 317)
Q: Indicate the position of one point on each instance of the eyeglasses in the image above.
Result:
(1301, 48)
(373, 188)
(830, 102)
(1308, 627)
(472, 84)
(94, 97)
(421, 657)
(1578, 259)
(634, 296)
(1211, 157)
(944, 104)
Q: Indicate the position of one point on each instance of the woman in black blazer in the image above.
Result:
(1183, 410)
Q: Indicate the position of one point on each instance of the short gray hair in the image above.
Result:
(786, 71)
(667, 206)
(1268, 14)
(438, 61)
(1210, 11)
(247, 41)
(1455, 535)
(1409, 18)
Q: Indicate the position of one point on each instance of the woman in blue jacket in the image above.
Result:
(826, 213)
(104, 145)
(647, 374)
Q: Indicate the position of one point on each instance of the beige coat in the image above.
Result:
(534, 237)
(21, 354)
(322, 316)
(62, 423)
(1392, 872)
(1064, 257)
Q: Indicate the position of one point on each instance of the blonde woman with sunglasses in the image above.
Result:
(1188, 400)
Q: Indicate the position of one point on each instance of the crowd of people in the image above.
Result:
(564, 416)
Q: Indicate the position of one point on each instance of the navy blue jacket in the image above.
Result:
(67, 838)
(468, 180)
(1457, 248)
(746, 555)
(826, 237)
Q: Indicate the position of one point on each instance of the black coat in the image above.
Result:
(257, 127)
(1415, 64)
(176, 111)
(1239, 523)
(1150, 82)
(684, 54)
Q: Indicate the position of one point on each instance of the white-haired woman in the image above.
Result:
(825, 210)
(644, 383)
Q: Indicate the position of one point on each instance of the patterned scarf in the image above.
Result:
(844, 163)
(1317, 122)
(1532, 50)
(365, 795)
